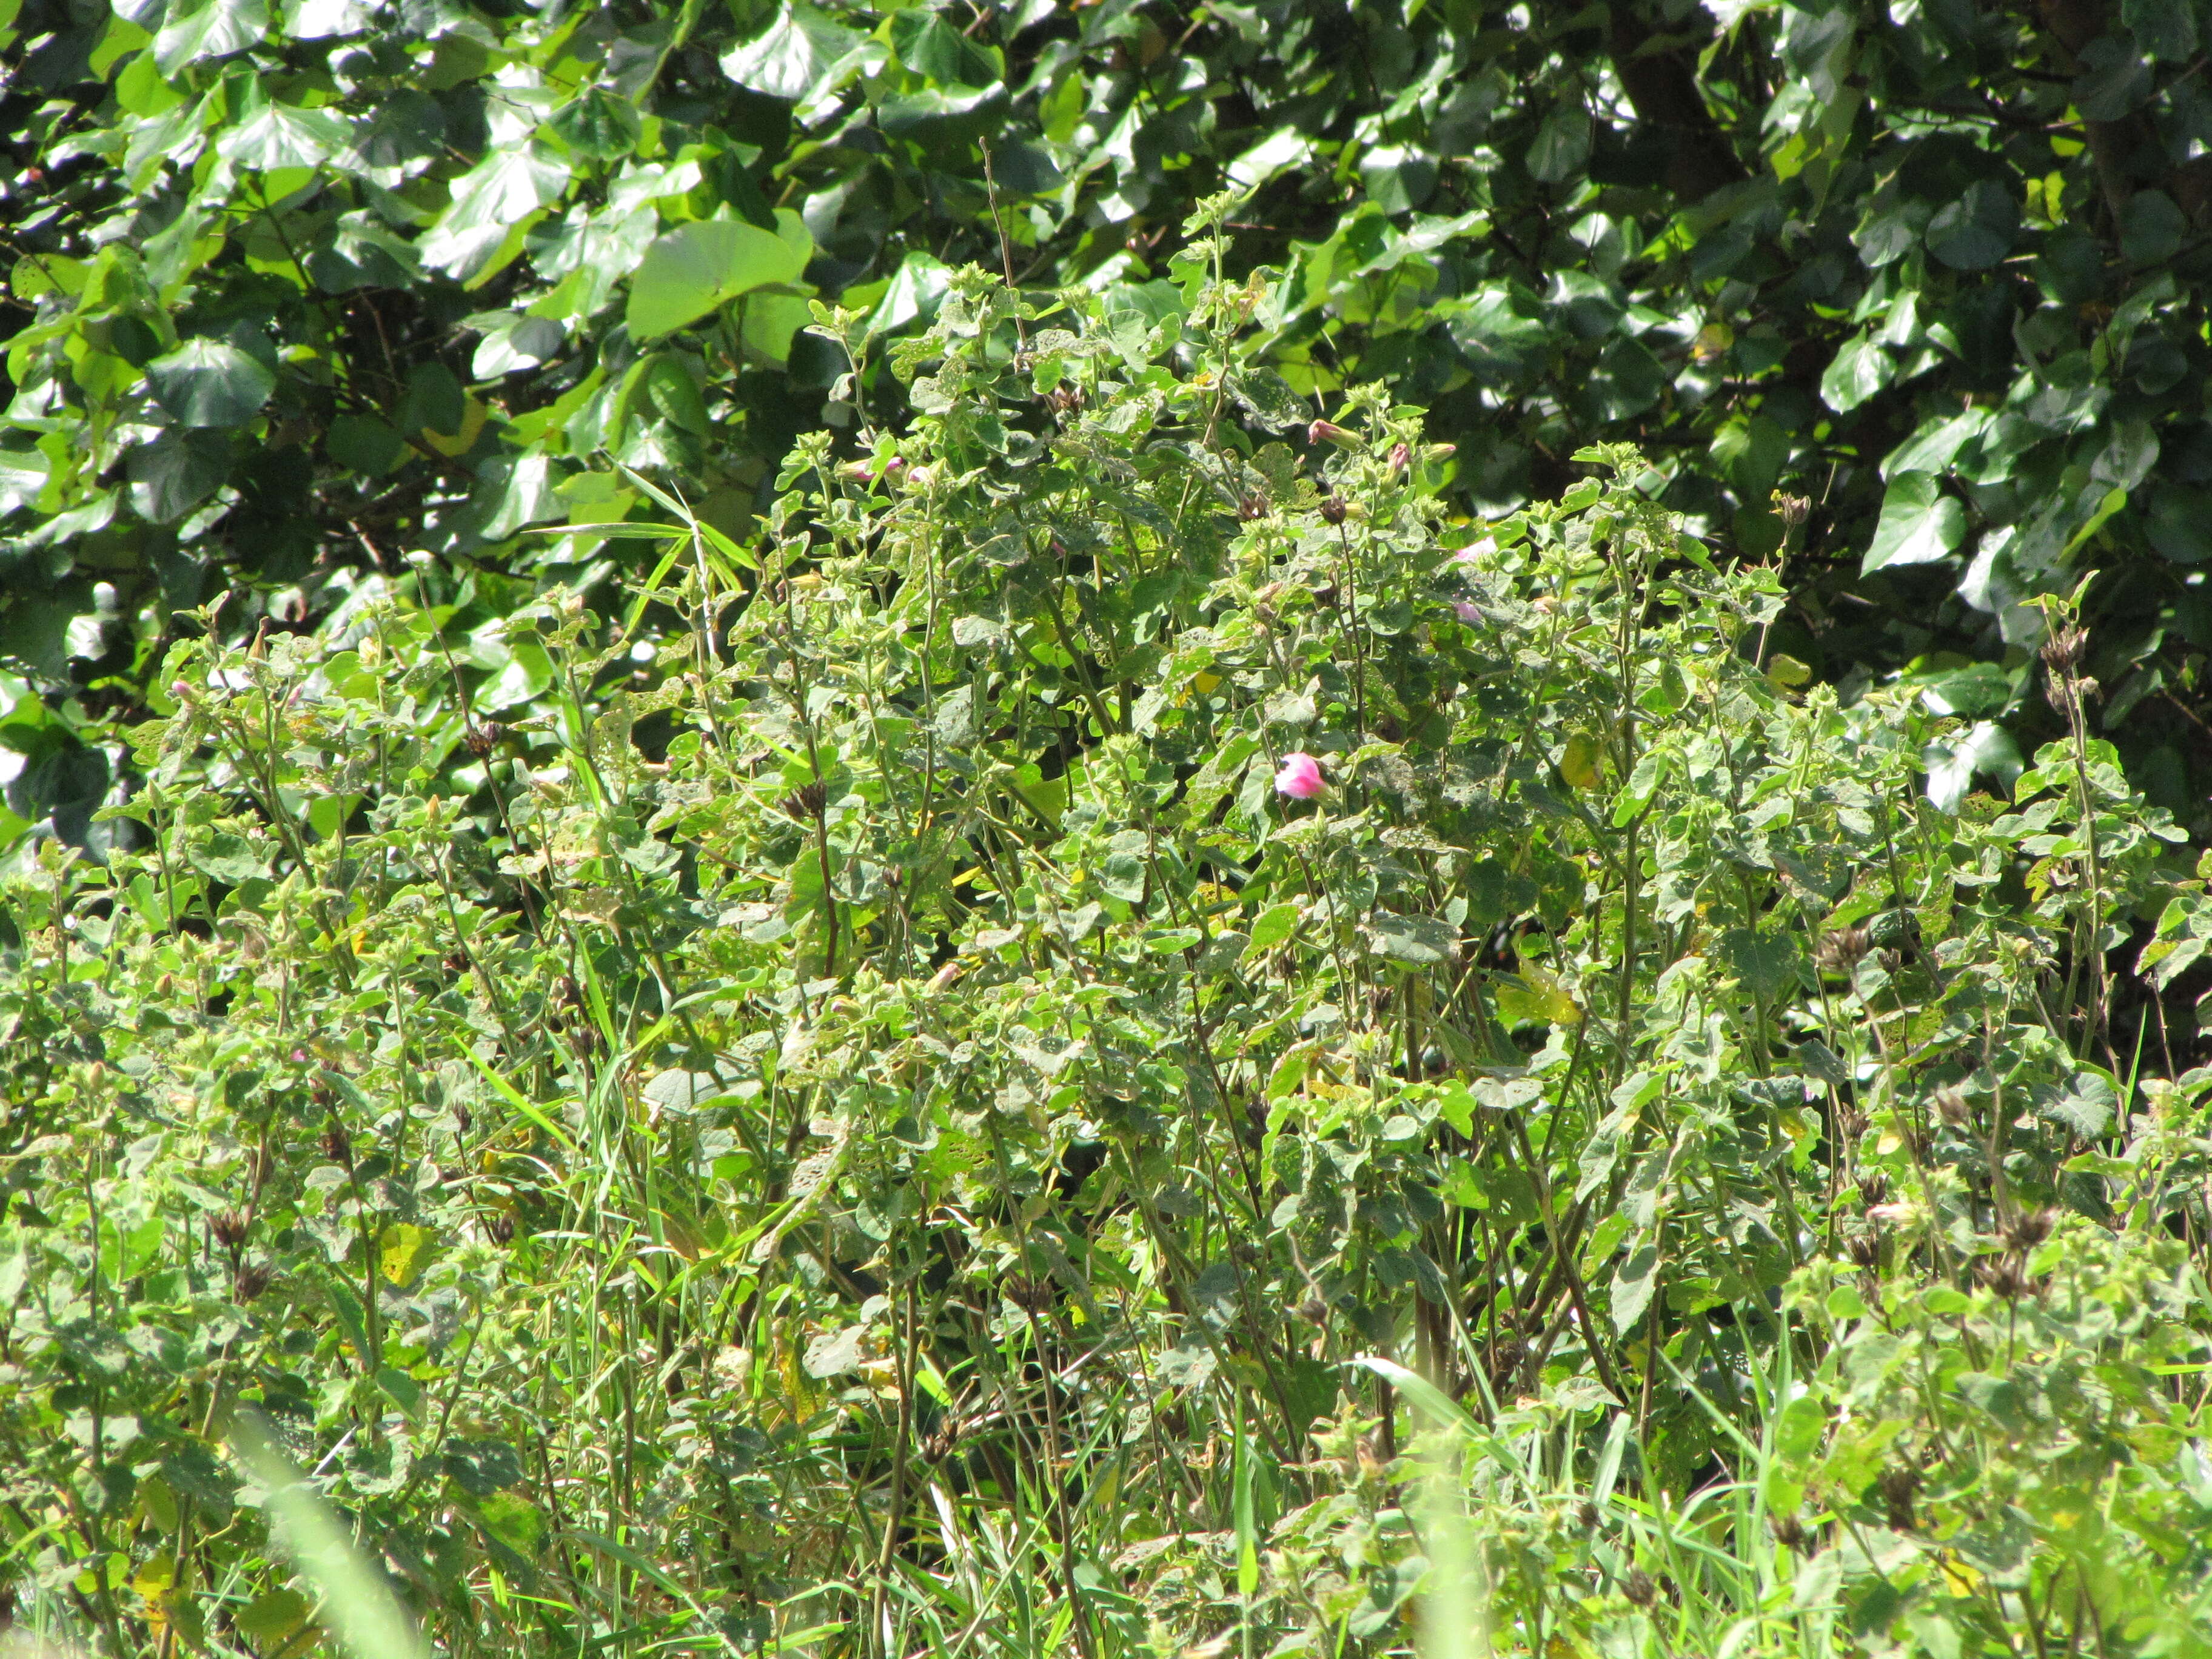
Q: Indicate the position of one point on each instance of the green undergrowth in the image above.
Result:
(829, 1102)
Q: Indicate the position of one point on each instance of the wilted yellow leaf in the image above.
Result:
(1785, 670)
(1578, 764)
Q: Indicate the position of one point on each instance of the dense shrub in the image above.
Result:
(1076, 1044)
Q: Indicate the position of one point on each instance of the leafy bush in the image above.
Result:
(1008, 1064)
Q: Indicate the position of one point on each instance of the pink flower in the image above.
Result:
(1466, 612)
(1300, 777)
(1478, 552)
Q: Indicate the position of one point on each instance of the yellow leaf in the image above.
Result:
(459, 443)
(408, 1249)
(1784, 671)
(1578, 764)
(153, 1579)
(1205, 682)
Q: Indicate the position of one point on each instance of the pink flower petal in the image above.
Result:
(1300, 777)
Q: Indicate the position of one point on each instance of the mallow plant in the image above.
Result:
(1116, 1034)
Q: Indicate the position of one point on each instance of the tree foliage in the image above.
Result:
(1904, 296)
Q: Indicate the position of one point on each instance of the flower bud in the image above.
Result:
(1329, 432)
(1300, 777)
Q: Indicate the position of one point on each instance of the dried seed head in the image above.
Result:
(1793, 510)
(1314, 1310)
(338, 1145)
(1788, 1531)
(1874, 1191)
(500, 1225)
(1332, 509)
(229, 1228)
(479, 740)
(2062, 652)
(1951, 1104)
(2004, 1276)
(1587, 1515)
(1253, 506)
(806, 803)
(1896, 1485)
(1639, 1589)
(2029, 1229)
(1839, 952)
(463, 1120)
(1866, 1251)
(251, 1281)
(938, 1444)
(1029, 1295)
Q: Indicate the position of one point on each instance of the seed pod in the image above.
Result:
(1332, 509)
(463, 1120)
(1896, 1486)
(1588, 1516)
(2062, 652)
(1839, 952)
(249, 1282)
(338, 1145)
(2029, 1229)
(229, 1228)
(1951, 1104)
(2004, 1277)
(501, 1226)
(1639, 1588)
(1788, 1531)
(806, 803)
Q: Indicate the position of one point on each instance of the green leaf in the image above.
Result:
(1919, 523)
(794, 51)
(2152, 228)
(1859, 370)
(216, 29)
(1423, 941)
(1952, 762)
(1977, 230)
(1633, 1282)
(363, 444)
(2166, 30)
(279, 136)
(688, 272)
(1767, 962)
(2114, 82)
(1563, 141)
(272, 1615)
(493, 198)
(1931, 448)
(209, 382)
(176, 472)
(2180, 522)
